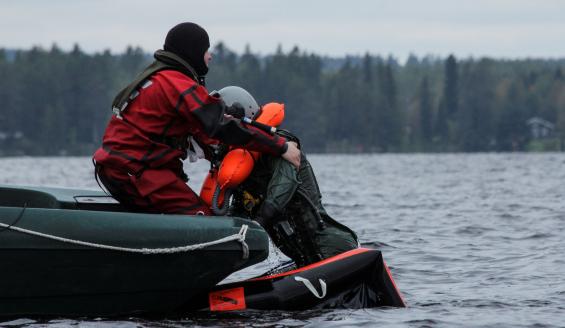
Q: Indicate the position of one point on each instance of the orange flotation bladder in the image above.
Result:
(271, 114)
(236, 165)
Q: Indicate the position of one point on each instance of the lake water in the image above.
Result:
(473, 240)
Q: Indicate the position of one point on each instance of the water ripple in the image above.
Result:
(473, 240)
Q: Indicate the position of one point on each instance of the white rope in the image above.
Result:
(240, 237)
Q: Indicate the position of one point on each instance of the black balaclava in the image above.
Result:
(189, 41)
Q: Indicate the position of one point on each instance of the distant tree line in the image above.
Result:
(54, 102)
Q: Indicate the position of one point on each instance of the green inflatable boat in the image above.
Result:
(78, 252)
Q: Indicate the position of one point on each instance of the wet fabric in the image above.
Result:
(292, 211)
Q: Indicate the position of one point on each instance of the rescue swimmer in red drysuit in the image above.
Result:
(163, 116)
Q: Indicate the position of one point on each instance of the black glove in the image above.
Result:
(266, 215)
(265, 223)
(236, 110)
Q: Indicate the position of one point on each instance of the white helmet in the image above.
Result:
(232, 94)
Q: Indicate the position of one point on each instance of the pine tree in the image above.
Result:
(425, 112)
(451, 87)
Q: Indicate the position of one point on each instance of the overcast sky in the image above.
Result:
(495, 28)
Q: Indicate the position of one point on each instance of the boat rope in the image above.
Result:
(239, 237)
(7, 227)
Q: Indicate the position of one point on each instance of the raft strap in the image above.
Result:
(240, 237)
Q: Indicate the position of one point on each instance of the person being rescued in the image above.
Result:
(164, 115)
(285, 201)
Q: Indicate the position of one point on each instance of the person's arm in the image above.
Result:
(209, 113)
(280, 190)
(293, 154)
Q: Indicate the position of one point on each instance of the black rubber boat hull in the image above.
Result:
(45, 277)
(355, 279)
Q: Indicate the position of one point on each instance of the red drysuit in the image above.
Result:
(140, 161)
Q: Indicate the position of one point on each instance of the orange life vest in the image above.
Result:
(236, 165)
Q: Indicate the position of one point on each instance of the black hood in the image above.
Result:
(189, 41)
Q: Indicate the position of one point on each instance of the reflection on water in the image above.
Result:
(473, 240)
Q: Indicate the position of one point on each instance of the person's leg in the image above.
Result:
(118, 183)
(178, 198)
(154, 191)
(295, 196)
(335, 239)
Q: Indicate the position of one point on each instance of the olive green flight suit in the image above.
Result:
(291, 211)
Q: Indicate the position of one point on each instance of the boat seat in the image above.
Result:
(12, 197)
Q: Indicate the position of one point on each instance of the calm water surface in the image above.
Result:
(472, 240)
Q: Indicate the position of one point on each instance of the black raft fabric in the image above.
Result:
(358, 281)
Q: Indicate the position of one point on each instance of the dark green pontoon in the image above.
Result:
(77, 252)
